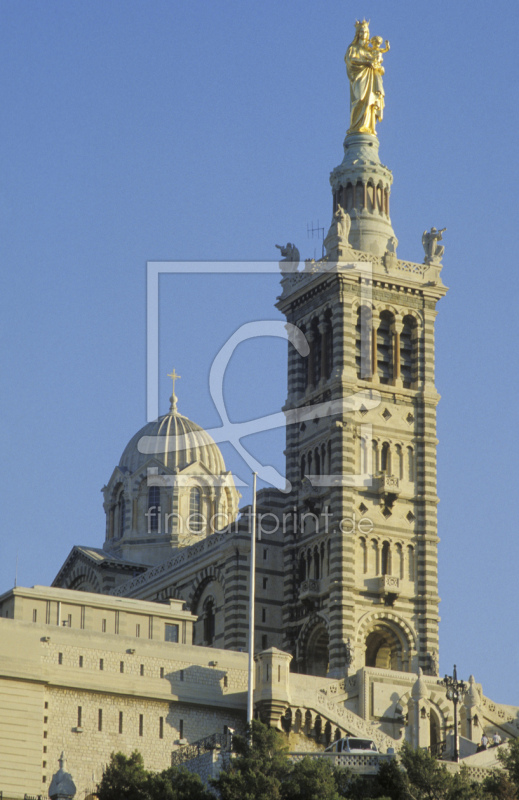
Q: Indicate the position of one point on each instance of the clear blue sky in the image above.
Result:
(136, 131)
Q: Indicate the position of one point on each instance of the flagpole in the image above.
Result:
(252, 584)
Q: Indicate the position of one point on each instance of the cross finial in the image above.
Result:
(173, 375)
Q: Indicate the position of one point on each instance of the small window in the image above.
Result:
(44, 734)
(103, 626)
(60, 658)
(153, 514)
(171, 633)
(195, 522)
(265, 581)
(137, 631)
(162, 672)
(121, 666)
(264, 641)
(44, 748)
(44, 764)
(181, 674)
(141, 725)
(80, 661)
(181, 729)
(45, 720)
(100, 719)
(45, 705)
(142, 669)
(101, 664)
(161, 727)
(120, 721)
(225, 681)
(79, 716)
(263, 614)
(265, 553)
(34, 615)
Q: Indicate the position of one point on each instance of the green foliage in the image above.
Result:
(125, 778)
(498, 786)
(509, 758)
(259, 769)
(311, 779)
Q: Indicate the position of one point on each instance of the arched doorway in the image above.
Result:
(316, 652)
(383, 649)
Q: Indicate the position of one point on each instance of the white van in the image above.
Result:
(353, 745)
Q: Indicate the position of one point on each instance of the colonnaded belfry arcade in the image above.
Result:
(141, 643)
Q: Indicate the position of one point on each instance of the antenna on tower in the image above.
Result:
(315, 231)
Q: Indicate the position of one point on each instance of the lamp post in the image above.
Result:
(455, 691)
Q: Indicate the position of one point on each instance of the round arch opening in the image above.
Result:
(383, 649)
(317, 652)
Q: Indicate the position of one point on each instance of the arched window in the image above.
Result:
(122, 512)
(363, 554)
(302, 568)
(328, 349)
(385, 348)
(400, 560)
(410, 562)
(408, 359)
(316, 348)
(385, 465)
(410, 464)
(153, 508)
(317, 462)
(329, 459)
(363, 456)
(399, 461)
(386, 559)
(303, 365)
(373, 557)
(195, 507)
(317, 564)
(363, 343)
(303, 467)
(374, 458)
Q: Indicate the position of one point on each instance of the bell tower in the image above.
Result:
(361, 561)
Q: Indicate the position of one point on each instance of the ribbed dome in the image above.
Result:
(176, 442)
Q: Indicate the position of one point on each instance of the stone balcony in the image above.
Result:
(386, 484)
(310, 589)
(389, 585)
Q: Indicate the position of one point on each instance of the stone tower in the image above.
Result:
(361, 558)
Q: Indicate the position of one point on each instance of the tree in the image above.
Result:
(311, 779)
(259, 768)
(125, 778)
(509, 758)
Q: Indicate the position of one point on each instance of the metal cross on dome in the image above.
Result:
(173, 375)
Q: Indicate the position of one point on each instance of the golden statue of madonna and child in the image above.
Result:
(364, 69)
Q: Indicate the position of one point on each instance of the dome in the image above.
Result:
(176, 442)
